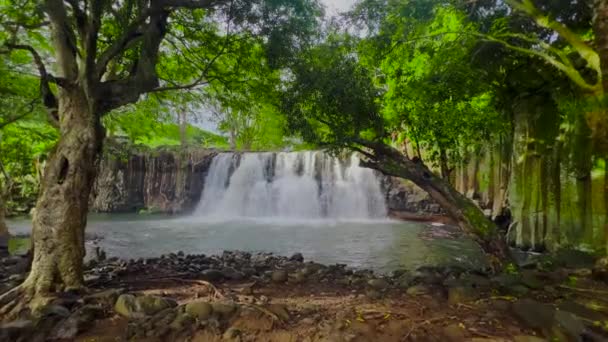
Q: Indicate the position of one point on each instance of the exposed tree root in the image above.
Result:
(215, 293)
(14, 302)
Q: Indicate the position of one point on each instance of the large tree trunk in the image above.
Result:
(61, 210)
(4, 236)
(464, 211)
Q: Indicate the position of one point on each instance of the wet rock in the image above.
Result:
(378, 284)
(454, 333)
(224, 309)
(212, 274)
(199, 309)
(279, 276)
(418, 290)
(298, 257)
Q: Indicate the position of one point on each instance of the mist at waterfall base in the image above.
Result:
(330, 210)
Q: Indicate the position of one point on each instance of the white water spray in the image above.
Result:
(290, 185)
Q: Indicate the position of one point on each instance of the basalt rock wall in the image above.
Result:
(165, 181)
(172, 181)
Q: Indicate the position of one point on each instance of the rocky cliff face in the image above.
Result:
(159, 181)
(169, 181)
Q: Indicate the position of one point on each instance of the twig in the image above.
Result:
(583, 290)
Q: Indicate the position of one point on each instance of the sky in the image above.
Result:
(333, 7)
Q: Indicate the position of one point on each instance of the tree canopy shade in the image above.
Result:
(105, 55)
(333, 101)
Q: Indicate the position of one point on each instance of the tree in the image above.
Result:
(332, 101)
(107, 55)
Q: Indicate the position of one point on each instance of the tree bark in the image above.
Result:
(461, 209)
(4, 235)
(61, 210)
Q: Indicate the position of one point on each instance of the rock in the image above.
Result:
(298, 257)
(568, 324)
(582, 311)
(461, 294)
(212, 274)
(571, 258)
(231, 333)
(405, 280)
(279, 276)
(417, 290)
(224, 309)
(373, 294)
(534, 314)
(298, 278)
(378, 284)
(454, 333)
(18, 331)
(531, 280)
(181, 321)
(528, 338)
(130, 306)
(78, 321)
(56, 310)
(600, 269)
(150, 305)
(199, 309)
(107, 297)
(280, 310)
(232, 274)
(125, 306)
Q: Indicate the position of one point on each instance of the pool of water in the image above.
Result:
(381, 245)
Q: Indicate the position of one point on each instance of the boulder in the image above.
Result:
(378, 284)
(417, 290)
(600, 270)
(199, 309)
(454, 333)
(298, 257)
(461, 294)
(534, 314)
(212, 274)
(279, 276)
(224, 309)
(130, 306)
(280, 310)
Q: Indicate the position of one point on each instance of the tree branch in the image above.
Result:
(64, 39)
(542, 20)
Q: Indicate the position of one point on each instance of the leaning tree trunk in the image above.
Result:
(4, 236)
(61, 209)
(464, 211)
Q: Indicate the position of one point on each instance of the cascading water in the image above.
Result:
(293, 185)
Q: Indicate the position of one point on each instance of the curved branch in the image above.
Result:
(542, 20)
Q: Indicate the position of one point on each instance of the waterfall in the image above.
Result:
(291, 185)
